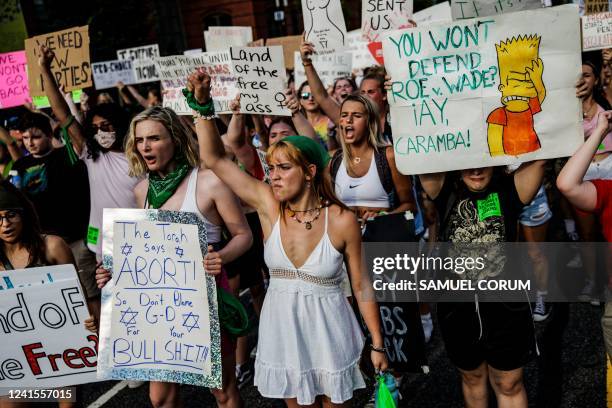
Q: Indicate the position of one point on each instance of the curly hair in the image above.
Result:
(116, 116)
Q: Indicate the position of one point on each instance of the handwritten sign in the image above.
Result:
(324, 25)
(589, 7)
(358, 47)
(485, 92)
(261, 79)
(175, 69)
(222, 37)
(143, 62)
(438, 13)
(106, 74)
(290, 45)
(463, 9)
(174, 99)
(596, 31)
(14, 89)
(70, 66)
(329, 67)
(379, 16)
(159, 314)
(41, 322)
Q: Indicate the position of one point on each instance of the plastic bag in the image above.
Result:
(386, 388)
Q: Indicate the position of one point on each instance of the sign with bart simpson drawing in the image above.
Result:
(485, 92)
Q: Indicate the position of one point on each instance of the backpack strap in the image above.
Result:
(384, 170)
(334, 164)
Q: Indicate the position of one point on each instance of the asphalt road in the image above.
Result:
(570, 372)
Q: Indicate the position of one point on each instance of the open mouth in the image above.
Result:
(349, 131)
(515, 98)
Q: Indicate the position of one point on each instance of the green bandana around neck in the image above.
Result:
(161, 189)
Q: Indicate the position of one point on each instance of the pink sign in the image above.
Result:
(14, 90)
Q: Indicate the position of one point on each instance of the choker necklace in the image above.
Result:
(307, 224)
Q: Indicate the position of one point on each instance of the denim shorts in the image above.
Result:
(537, 212)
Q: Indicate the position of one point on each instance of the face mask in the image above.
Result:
(105, 139)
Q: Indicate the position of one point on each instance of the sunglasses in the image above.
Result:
(306, 95)
(105, 127)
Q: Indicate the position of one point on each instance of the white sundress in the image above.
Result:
(309, 339)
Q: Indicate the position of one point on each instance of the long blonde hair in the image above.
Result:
(181, 135)
(374, 138)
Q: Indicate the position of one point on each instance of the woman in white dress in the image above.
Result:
(309, 339)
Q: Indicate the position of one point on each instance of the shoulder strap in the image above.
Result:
(5, 262)
(384, 170)
(335, 163)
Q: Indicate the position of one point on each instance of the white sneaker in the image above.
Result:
(135, 384)
(427, 323)
(254, 352)
(541, 311)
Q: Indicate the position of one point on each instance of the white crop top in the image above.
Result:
(366, 191)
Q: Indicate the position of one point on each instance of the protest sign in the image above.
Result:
(70, 66)
(261, 79)
(329, 67)
(596, 31)
(463, 9)
(175, 69)
(174, 99)
(43, 102)
(358, 47)
(221, 38)
(143, 62)
(589, 7)
(159, 316)
(192, 51)
(324, 25)
(438, 13)
(12, 26)
(106, 74)
(290, 45)
(14, 90)
(379, 16)
(485, 92)
(45, 345)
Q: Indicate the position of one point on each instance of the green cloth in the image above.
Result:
(161, 189)
(312, 150)
(233, 316)
(208, 109)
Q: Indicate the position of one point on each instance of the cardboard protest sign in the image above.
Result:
(14, 90)
(596, 31)
(106, 74)
(358, 47)
(589, 7)
(175, 69)
(329, 67)
(438, 13)
(45, 345)
(379, 16)
(70, 65)
(290, 45)
(12, 26)
(324, 25)
(485, 92)
(221, 38)
(159, 316)
(463, 9)
(143, 62)
(261, 79)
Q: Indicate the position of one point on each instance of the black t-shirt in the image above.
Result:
(59, 191)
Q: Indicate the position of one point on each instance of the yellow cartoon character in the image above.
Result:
(510, 128)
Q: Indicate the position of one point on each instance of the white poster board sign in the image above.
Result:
(261, 79)
(438, 13)
(143, 59)
(362, 57)
(464, 9)
(45, 345)
(106, 74)
(174, 70)
(159, 316)
(221, 38)
(329, 67)
(378, 17)
(324, 25)
(596, 31)
(485, 92)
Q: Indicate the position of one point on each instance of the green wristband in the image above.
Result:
(208, 109)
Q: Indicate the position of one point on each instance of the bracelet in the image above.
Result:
(305, 64)
(208, 109)
(378, 350)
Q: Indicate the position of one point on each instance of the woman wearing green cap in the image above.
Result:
(309, 339)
